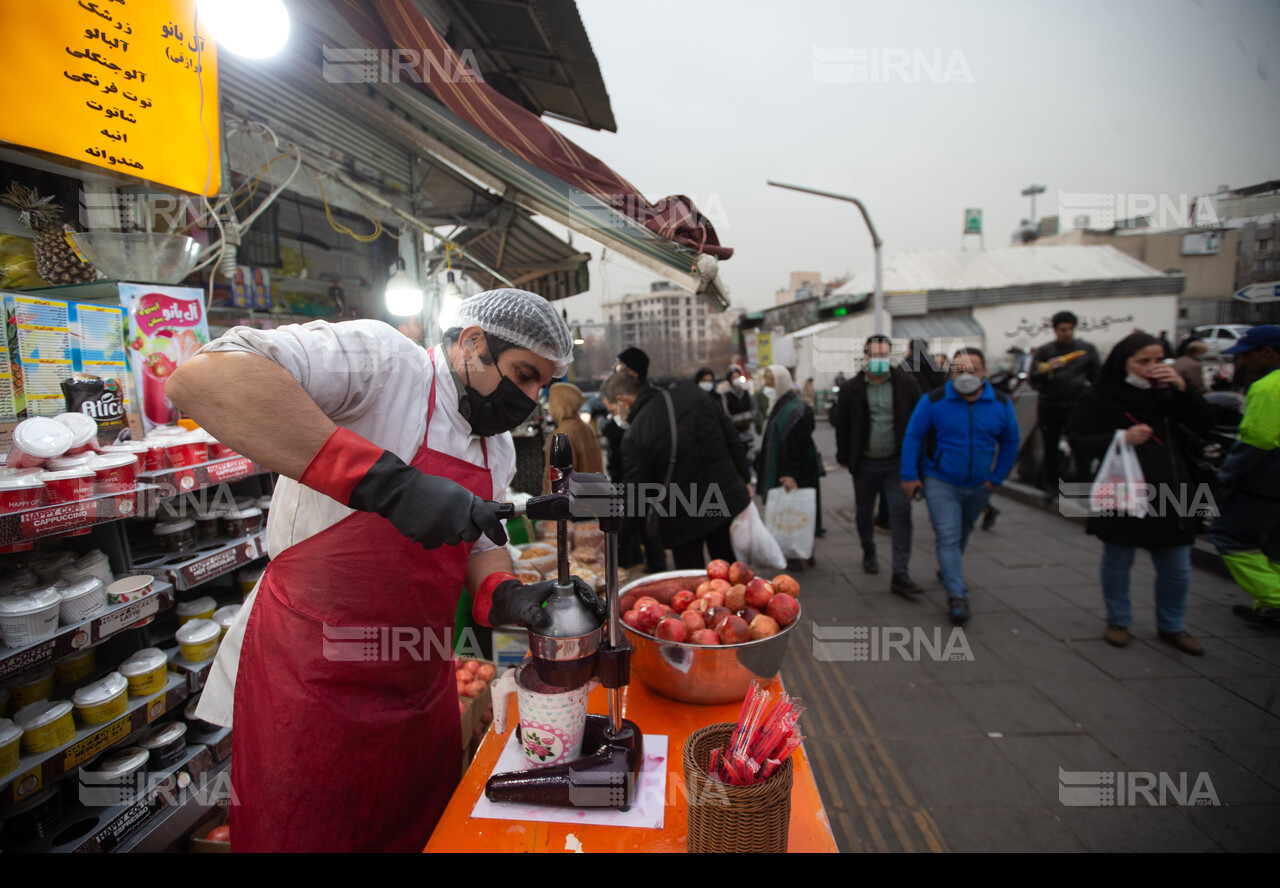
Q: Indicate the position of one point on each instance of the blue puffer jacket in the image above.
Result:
(974, 442)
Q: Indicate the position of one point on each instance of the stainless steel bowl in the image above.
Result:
(151, 258)
(692, 673)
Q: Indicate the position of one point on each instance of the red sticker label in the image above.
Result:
(231, 470)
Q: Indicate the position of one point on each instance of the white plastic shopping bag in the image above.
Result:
(791, 518)
(1118, 486)
(752, 543)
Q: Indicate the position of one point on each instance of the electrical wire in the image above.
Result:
(343, 229)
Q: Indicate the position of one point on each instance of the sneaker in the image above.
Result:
(1268, 616)
(869, 563)
(1183, 642)
(1116, 636)
(902, 584)
(959, 610)
(989, 517)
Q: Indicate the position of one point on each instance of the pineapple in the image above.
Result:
(56, 259)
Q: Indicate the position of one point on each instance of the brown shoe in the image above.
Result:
(1183, 642)
(1116, 636)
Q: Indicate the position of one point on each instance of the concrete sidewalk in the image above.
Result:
(966, 754)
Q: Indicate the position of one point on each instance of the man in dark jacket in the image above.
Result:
(709, 478)
(1060, 371)
(872, 413)
(1247, 532)
(635, 543)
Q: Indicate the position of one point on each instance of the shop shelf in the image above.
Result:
(173, 822)
(37, 770)
(45, 521)
(150, 801)
(186, 570)
(15, 661)
(194, 669)
(172, 482)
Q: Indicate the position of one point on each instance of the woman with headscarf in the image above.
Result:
(563, 403)
(705, 379)
(1152, 404)
(787, 457)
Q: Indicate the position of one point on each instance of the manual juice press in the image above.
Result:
(573, 649)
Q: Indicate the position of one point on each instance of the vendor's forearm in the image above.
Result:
(254, 406)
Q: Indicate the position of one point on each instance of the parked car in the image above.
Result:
(1219, 336)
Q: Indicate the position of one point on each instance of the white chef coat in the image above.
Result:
(369, 378)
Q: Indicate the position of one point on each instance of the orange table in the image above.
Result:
(458, 832)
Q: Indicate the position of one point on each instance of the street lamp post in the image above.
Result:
(878, 303)
(1031, 191)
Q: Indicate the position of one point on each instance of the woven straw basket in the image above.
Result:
(731, 819)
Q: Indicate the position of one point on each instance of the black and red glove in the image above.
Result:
(503, 600)
(429, 510)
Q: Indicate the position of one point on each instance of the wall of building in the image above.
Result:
(1103, 322)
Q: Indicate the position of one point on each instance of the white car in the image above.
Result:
(1219, 336)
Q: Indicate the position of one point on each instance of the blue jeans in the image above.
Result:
(1173, 580)
(954, 511)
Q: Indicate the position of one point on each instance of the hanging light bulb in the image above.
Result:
(255, 29)
(404, 296)
(450, 293)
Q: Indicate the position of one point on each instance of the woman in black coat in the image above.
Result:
(787, 456)
(1150, 402)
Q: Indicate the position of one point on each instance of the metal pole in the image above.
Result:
(878, 299)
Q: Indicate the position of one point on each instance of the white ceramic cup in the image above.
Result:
(551, 725)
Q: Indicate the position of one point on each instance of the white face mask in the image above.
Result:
(620, 422)
(768, 391)
(736, 382)
(706, 386)
(1138, 381)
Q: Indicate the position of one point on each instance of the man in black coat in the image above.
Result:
(709, 479)
(1060, 371)
(872, 413)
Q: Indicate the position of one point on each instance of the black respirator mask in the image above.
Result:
(499, 411)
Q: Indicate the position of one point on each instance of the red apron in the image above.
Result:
(332, 751)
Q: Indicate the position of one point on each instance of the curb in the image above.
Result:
(1203, 553)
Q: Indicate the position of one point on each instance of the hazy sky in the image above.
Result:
(713, 97)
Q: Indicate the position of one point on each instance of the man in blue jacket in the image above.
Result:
(960, 444)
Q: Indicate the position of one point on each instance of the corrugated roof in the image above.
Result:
(931, 270)
(932, 327)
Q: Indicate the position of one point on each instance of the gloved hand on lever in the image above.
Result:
(429, 510)
(520, 604)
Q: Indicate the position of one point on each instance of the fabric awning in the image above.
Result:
(517, 154)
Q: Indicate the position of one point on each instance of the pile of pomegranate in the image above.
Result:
(731, 606)
(473, 679)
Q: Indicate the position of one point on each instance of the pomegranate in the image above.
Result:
(693, 621)
(681, 600)
(721, 586)
(699, 606)
(486, 672)
(736, 598)
(476, 688)
(783, 608)
(784, 583)
(716, 616)
(718, 570)
(705, 636)
(632, 619)
(759, 592)
(762, 627)
(739, 573)
(749, 613)
(714, 598)
(649, 615)
(472, 666)
(703, 590)
(461, 674)
(671, 629)
(733, 630)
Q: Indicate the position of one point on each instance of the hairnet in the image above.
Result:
(522, 318)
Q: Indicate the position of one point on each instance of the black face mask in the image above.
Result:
(499, 411)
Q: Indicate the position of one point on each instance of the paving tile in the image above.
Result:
(963, 772)
(1262, 692)
(1039, 759)
(1250, 828)
(1176, 754)
(926, 710)
(1257, 751)
(1142, 829)
(978, 830)
(1067, 623)
(1028, 598)
(984, 667)
(1011, 709)
(1106, 706)
(1138, 660)
(1263, 645)
(1204, 705)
